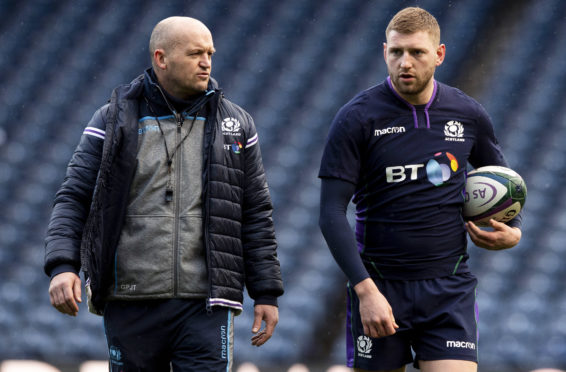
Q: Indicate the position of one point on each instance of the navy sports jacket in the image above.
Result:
(90, 206)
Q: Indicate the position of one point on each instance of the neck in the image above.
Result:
(174, 102)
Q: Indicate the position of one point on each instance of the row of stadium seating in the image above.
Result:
(291, 64)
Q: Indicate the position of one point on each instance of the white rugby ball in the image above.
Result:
(493, 192)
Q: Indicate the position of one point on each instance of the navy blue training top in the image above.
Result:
(408, 164)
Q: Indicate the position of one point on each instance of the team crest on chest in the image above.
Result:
(231, 127)
(454, 131)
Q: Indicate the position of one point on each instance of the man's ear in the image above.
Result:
(159, 59)
(440, 54)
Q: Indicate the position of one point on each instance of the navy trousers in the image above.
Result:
(164, 335)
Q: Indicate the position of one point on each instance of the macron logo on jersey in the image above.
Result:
(390, 130)
(461, 345)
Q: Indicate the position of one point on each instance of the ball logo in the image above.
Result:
(453, 129)
(440, 168)
(230, 125)
(484, 193)
(364, 344)
(511, 213)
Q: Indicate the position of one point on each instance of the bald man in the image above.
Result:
(165, 208)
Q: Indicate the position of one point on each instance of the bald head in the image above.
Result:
(167, 34)
(181, 55)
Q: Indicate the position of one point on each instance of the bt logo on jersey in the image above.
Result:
(399, 173)
(439, 169)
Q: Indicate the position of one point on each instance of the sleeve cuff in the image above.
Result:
(266, 300)
(63, 268)
(358, 278)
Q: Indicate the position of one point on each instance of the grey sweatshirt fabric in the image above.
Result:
(159, 231)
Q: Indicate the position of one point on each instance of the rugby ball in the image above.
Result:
(493, 192)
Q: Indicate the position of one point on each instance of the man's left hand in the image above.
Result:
(270, 315)
(501, 237)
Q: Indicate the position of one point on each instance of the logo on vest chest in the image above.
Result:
(231, 127)
(236, 147)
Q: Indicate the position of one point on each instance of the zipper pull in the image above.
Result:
(180, 120)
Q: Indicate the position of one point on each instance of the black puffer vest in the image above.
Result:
(238, 230)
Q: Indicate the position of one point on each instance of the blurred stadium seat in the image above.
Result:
(247, 367)
(26, 366)
(298, 367)
(339, 369)
(94, 366)
(291, 64)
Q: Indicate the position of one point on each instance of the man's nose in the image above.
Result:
(406, 60)
(205, 61)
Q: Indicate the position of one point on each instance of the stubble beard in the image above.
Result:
(412, 90)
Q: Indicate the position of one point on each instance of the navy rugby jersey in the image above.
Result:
(409, 166)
